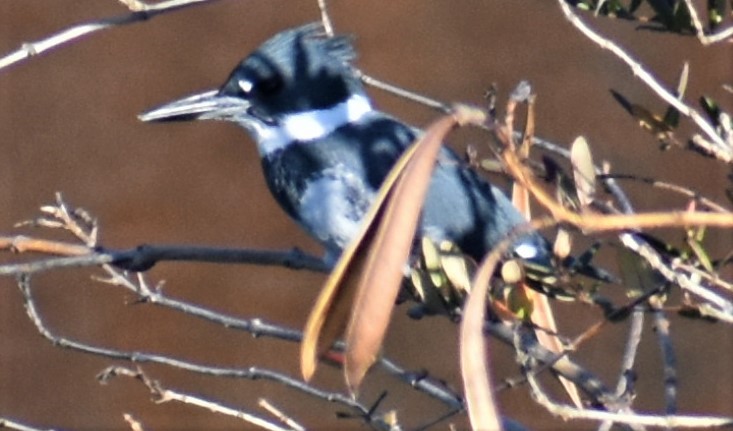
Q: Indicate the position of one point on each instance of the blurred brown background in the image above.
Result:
(68, 121)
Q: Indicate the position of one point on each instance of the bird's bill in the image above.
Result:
(209, 105)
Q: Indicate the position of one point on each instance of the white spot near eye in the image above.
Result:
(245, 85)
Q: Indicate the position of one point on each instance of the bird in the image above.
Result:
(325, 149)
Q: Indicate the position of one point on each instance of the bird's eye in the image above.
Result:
(245, 85)
(260, 86)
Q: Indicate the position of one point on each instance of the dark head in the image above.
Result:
(295, 71)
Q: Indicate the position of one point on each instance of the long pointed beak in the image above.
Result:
(209, 105)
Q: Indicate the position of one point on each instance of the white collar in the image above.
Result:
(308, 126)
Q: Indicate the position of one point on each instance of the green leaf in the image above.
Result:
(711, 108)
(672, 116)
(716, 12)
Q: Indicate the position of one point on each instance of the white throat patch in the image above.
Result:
(308, 126)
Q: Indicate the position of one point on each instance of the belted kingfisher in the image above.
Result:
(325, 150)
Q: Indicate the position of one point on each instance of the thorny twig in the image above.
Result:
(256, 326)
(165, 395)
(84, 228)
(144, 257)
(523, 342)
(154, 295)
(137, 357)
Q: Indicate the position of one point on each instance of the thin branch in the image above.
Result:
(325, 17)
(418, 380)
(624, 386)
(280, 415)
(250, 373)
(674, 274)
(525, 341)
(589, 383)
(593, 222)
(422, 382)
(713, 279)
(31, 49)
(403, 93)
(697, 197)
(164, 395)
(145, 256)
(700, 32)
(84, 228)
(378, 84)
(725, 152)
(63, 218)
(14, 425)
(135, 425)
(256, 327)
(661, 326)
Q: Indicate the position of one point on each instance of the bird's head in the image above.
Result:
(298, 85)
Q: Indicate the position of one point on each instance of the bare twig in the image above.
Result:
(376, 83)
(624, 386)
(255, 326)
(164, 395)
(137, 357)
(525, 339)
(62, 219)
(591, 222)
(591, 385)
(258, 327)
(145, 256)
(712, 278)
(24, 244)
(724, 152)
(280, 415)
(707, 203)
(403, 93)
(661, 326)
(700, 32)
(141, 12)
(14, 425)
(135, 424)
(325, 17)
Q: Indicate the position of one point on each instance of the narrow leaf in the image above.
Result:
(330, 312)
(384, 267)
(672, 116)
(482, 411)
(583, 171)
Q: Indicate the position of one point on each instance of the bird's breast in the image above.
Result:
(333, 204)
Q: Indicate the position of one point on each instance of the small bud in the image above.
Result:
(511, 271)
